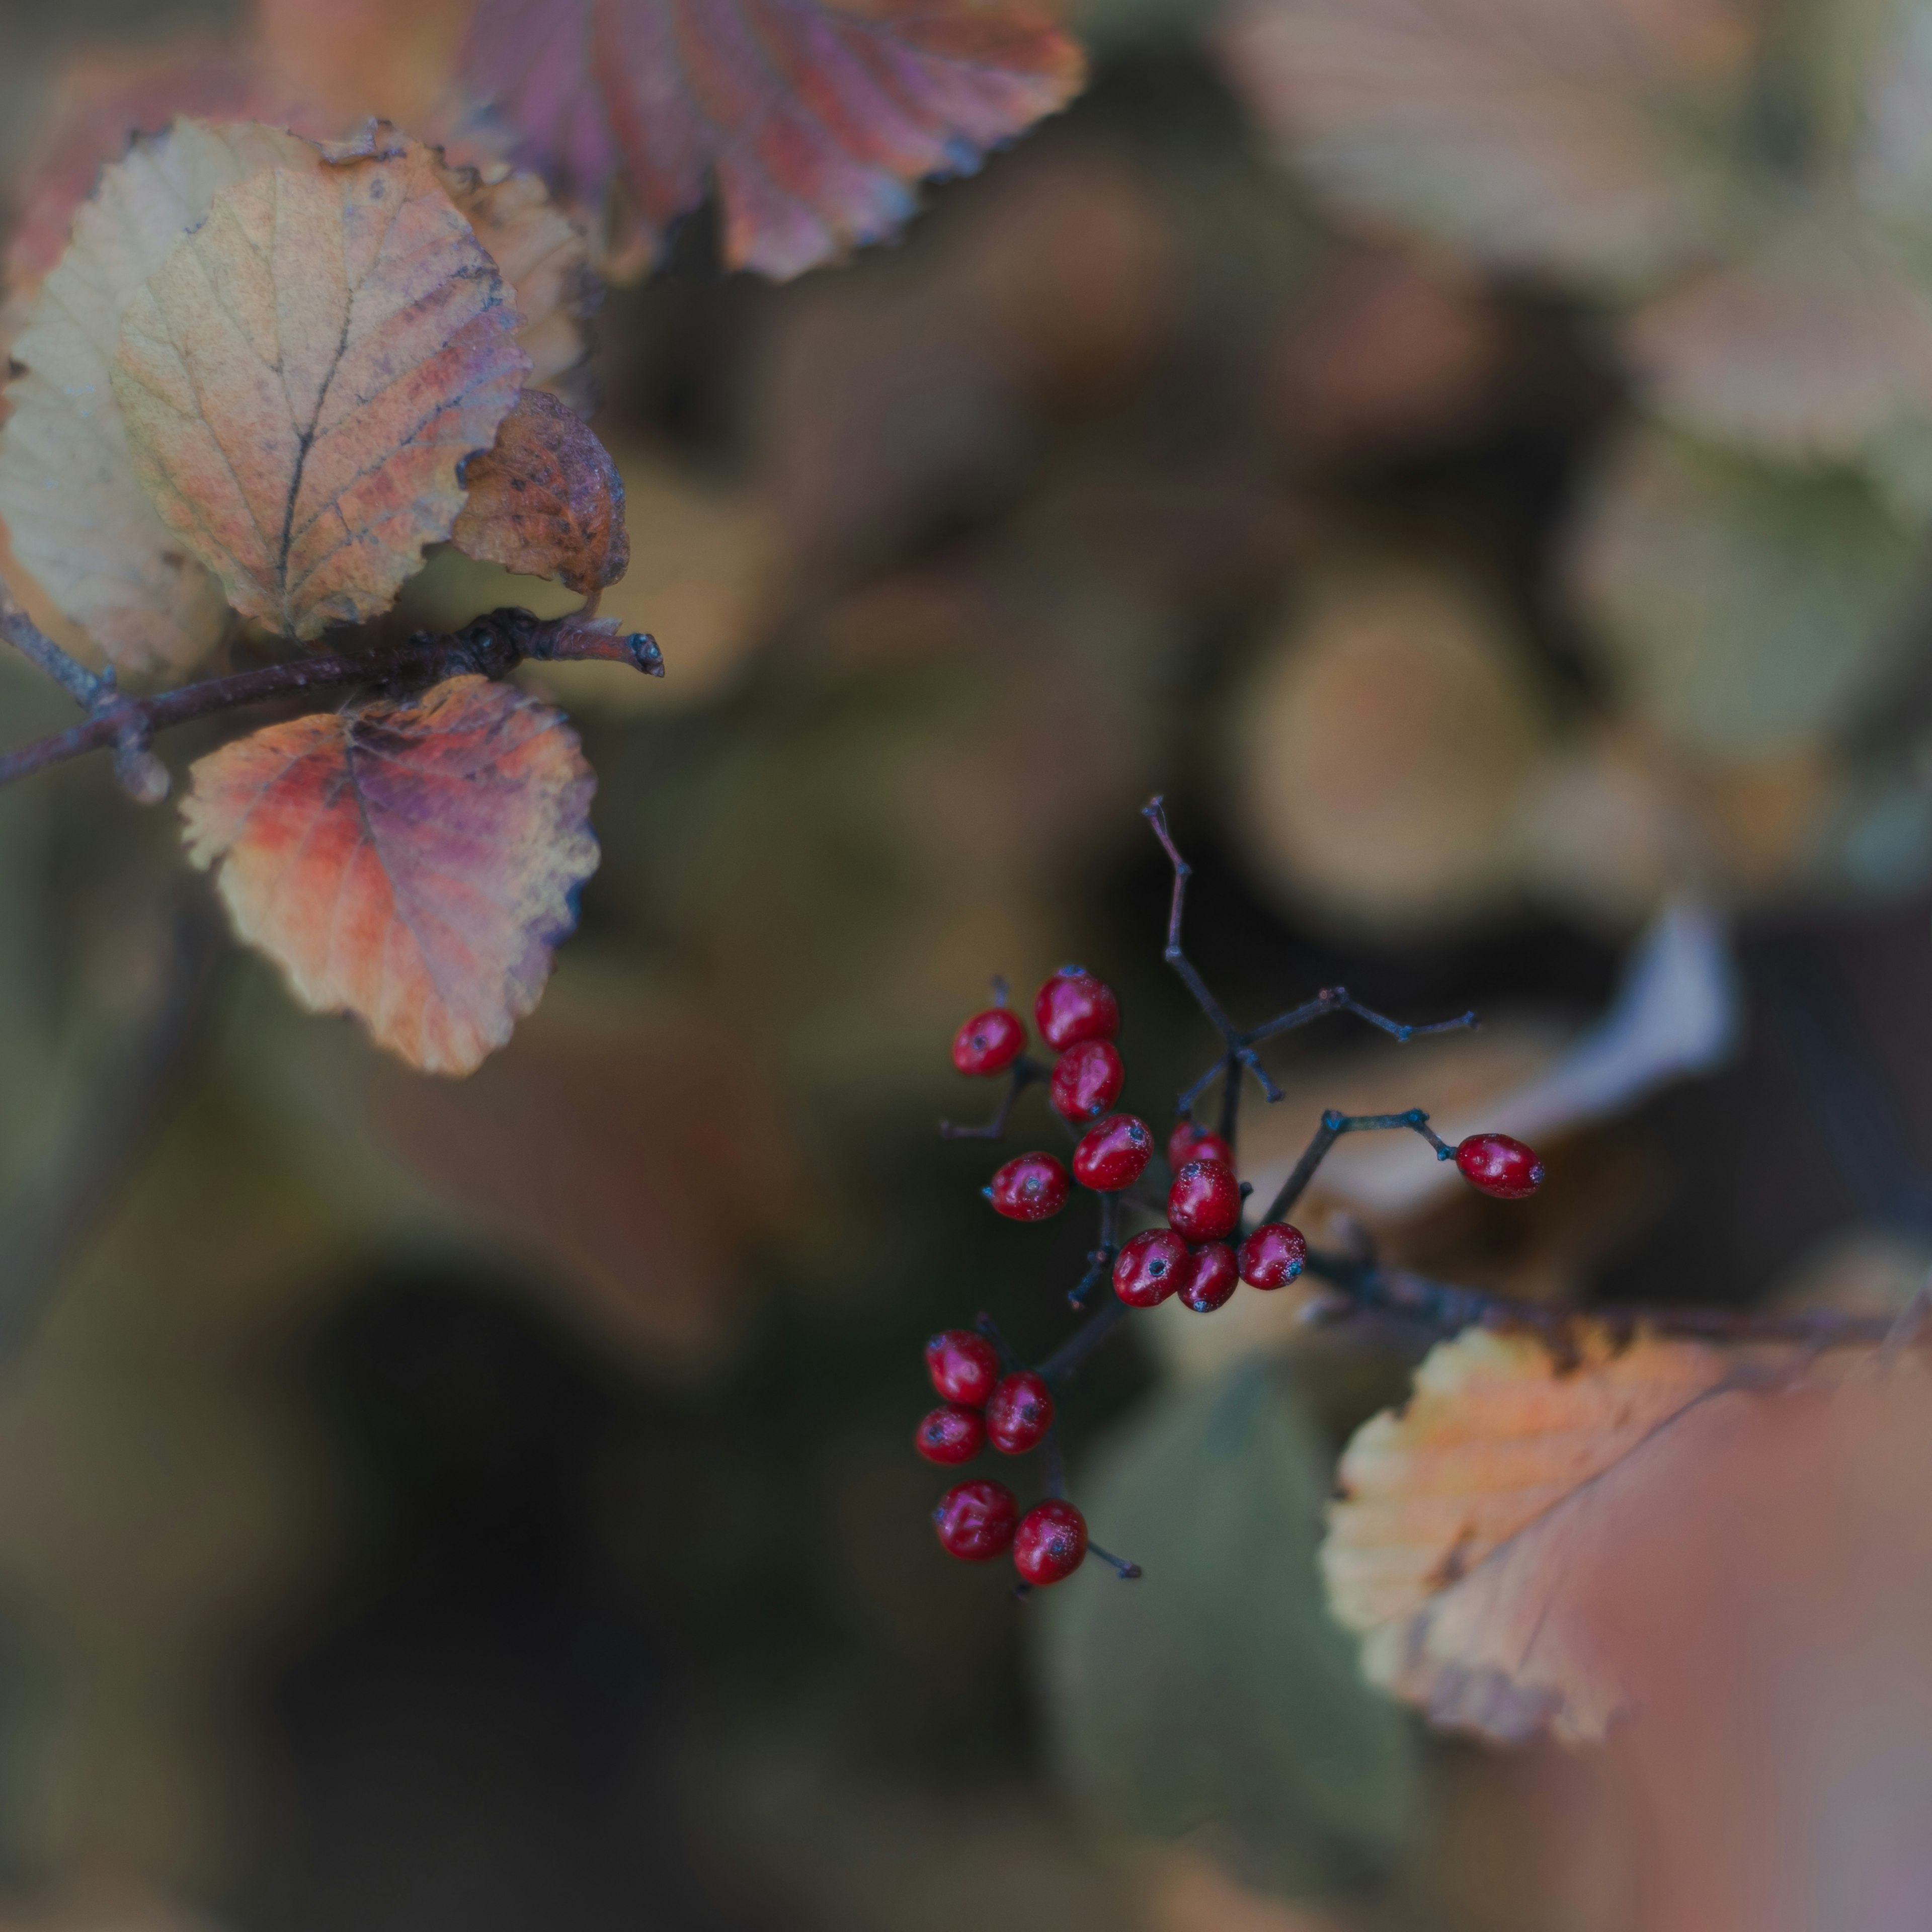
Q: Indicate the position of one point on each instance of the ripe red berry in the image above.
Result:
(964, 1366)
(1087, 1081)
(1212, 1277)
(989, 1042)
(1074, 1005)
(1018, 1413)
(1272, 1255)
(1150, 1268)
(951, 1434)
(1050, 1543)
(1499, 1165)
(1112, 1155)
(975, 1520)
(1191, 1141)
(1031, 1187)
(1205, 1203)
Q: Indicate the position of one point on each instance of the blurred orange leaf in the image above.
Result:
(546, 501)
(303, 377)
(813, 119)
(414, 864)
(1467, 1517)
(80, 521)
(1576, 133)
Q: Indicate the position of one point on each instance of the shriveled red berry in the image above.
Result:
(1150, 1268)
(1018, 1413)
(1205, 1203)
(975, 1520)
(964, 1366)
(951, 1434)
(1112, 1155)
(1087, 1081)
(1051, 1542)
(1272, 1255)
(1031, 1187)
(1212, 1276)
(1189, 1141)
(989, 1042)
(1074, 1005)
(1499, 1165)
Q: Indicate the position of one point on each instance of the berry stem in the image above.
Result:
(1056, 1466)
(989, 1328)
(1026, 1071)
(1241, 1046)
(1127, 1572)
(1334, 1125)
(1100, 1259)
(1081, 1343)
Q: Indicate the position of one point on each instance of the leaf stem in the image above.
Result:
(491, 646)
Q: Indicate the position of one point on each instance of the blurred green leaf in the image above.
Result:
(1745, 608)
(1217, 1690)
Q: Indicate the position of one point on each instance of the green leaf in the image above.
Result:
(1745, 608)
(1217, 1690)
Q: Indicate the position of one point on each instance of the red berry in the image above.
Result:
(1205, 1203)
(989, 1042)
(1150, 1268)
(1018, 1413)
(1499, 1165)
(1212, 1279)
(975, 1520)
(964, 1366)
(951, 1434)
(1111, 1156)
(1031, 1187)
(1191, 1141)
(1087, 1081)
(1051, 1542)
(1073, 1007)
(1272, 1255)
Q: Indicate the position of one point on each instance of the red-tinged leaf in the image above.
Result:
(547, 500)
(814, 120)
(414, 864)
(1589, 135)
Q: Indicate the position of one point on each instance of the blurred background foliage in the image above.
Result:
(1475, 456)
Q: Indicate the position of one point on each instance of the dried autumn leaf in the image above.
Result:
(80, 521)
(546, 501)
(1468, 1517)
(1582, 134)
(814, 119)
(304, 377)
(414, 864)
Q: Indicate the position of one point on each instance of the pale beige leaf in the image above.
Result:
(1571, 134)
(1466, 1516)
(304, 377)
(1807, 349)
(80, 521)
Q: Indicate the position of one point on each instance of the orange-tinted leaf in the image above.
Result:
(547, 500)
(1571, 132)
(414, 864)
(80, 521)
(304, 376)
(1467, 1517)
(814, 119)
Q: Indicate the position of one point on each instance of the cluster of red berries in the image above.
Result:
(1200, 1256)
(1013, 1411)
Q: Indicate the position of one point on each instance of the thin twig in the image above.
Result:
(1026, 1073)
(1082, 1342)
(86, 688)
(492, 646)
